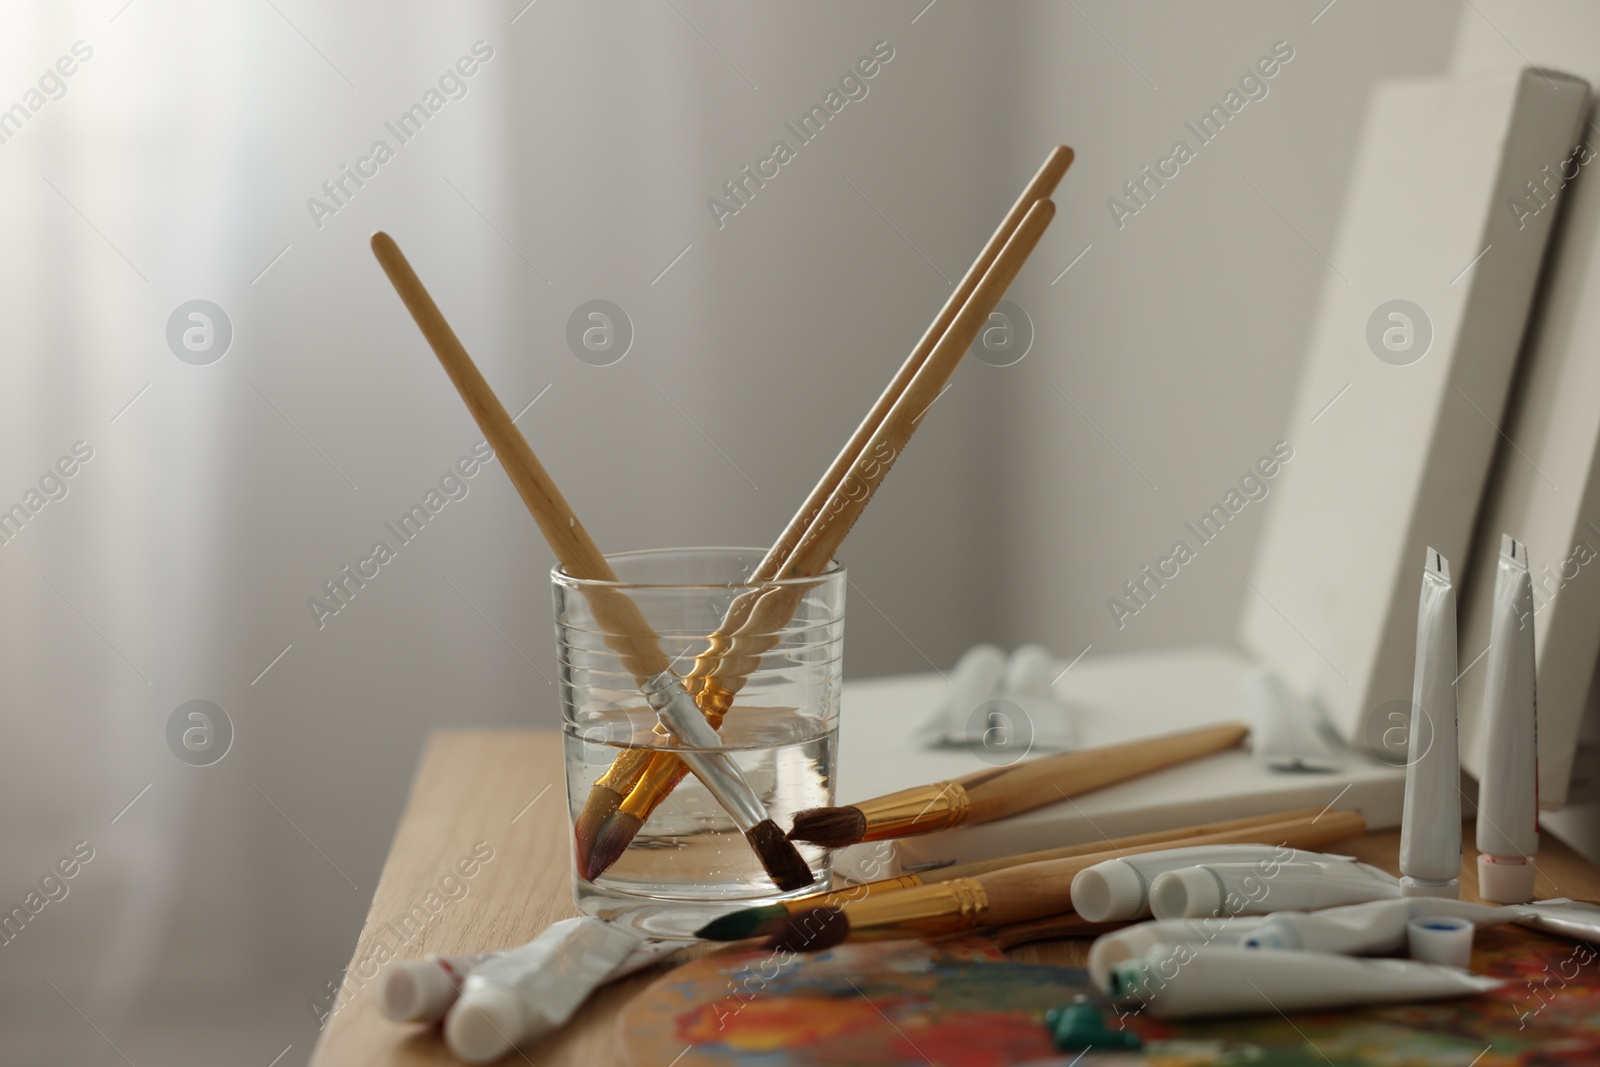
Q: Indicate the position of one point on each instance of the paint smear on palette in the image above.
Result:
(956, 1004)
(962, 1003)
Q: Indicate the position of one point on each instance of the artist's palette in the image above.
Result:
(964, 1004)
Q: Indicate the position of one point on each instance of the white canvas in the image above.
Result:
(1545, 491)
(1393, 442)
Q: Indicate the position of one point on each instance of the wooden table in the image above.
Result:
(503, 790)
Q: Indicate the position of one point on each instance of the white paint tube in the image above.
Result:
(1029, 683)
(1239, 981)
(1285, 730)
(528, 992)
(422, 991)
(1117, 890)
(1260, 889)
(1133, 942)
(1508, 798)
(974, 681)
(1559, 915)
(1430, 828)
(1372, 929)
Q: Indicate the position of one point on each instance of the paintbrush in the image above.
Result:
(1001, 791)
(1016, 894)
(627, 630)
(769, 918)
(757, 616)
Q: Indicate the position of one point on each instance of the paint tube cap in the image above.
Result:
(485, 1024)
(1440, 939)
(1108, 892)
(1186, 893)
(1410, 887)
(1503, 881)
(415, 991)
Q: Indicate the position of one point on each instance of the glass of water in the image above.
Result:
(688, 862)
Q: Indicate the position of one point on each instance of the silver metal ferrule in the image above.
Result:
(717, 771)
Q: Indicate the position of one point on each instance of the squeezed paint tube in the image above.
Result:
(1372, 929)
(529, 991)
(1115, 890)
(1133, 942)
(1237, 981)
(1559, 915)
(973, 682)
(1250, 889)
(1286, 733)
(422, 991)
(1430, 828)
(1376, 927)
(1029, 683)
(1508, 795)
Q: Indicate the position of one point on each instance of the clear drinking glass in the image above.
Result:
(689, 862)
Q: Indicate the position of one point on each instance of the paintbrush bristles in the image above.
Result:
(829, 827)
(746, 922)
(812, 931)
(591, 822)
(782, 860)
(607, 843)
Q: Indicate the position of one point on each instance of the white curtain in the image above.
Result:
(174, 163)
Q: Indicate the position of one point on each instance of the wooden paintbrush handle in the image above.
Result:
(1051, 928)
(1040, 187)
(850, 498)
(1033, 783)
(1043, 184)
(627, 630)
(774, 606)
(1176, 838)
(1035, 890)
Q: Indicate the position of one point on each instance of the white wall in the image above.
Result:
(1180, 336)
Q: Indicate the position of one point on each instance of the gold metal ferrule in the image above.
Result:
(655, 780)
(920, 810)
(850, 894)
(942, 908)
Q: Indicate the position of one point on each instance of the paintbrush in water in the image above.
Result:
(768, 919)
(627, 630)
(1001, 791)
(637, 782)
(1016, 894)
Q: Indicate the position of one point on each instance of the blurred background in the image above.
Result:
(241, 459)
